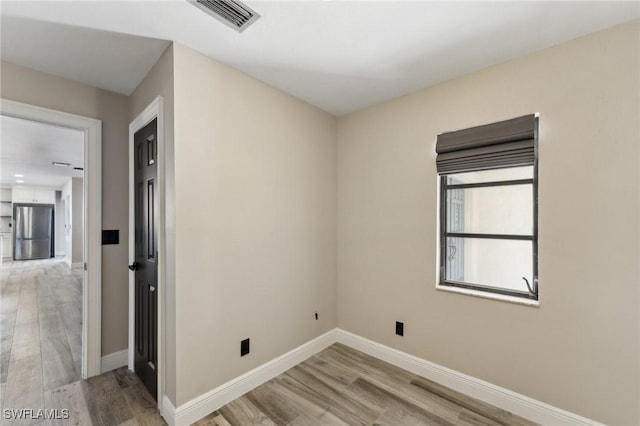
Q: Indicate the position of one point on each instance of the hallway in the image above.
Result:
(40, 330)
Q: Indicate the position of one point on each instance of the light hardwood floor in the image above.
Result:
(41, 324)
(41, 346)
(342, 386)
(40, 331)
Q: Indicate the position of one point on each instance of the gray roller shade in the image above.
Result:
(507, 143)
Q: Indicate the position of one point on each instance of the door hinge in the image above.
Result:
(86, 268)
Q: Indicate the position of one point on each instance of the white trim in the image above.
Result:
(76, 265)
(92, 250)
(199, 407)
(513, 402)
(488, 295)
(168, 411)
(495, 395)
(114, 360)
(154, 110)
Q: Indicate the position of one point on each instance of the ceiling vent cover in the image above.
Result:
(230, 12)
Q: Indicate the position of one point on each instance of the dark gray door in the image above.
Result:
(146, 259)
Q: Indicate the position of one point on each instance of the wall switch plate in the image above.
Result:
(399, 328)
(110, 236)
(244, 347)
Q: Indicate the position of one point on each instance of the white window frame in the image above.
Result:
(531, 298)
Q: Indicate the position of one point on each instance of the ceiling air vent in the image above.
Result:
(230, 12)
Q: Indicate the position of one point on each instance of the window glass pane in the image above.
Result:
(490, 262)
(491, 210)
(512, 173)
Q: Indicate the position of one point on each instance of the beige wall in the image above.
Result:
(579, 349)
(36, 88)
(159, 82)
(255, 222)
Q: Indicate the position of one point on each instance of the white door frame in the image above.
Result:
(92, 250)
(154, 110)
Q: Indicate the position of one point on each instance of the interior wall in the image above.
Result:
(68, 223)
(77, 221)
(579, 349)
(159, 82)
(255, 200)
(32, 87)
(59, 225)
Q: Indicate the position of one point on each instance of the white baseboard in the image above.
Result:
(513, 402)
(114, 360)
(201, 406)
(495, 395)
(168, 411)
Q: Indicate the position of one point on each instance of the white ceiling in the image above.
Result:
(338, 55)
(112, 61)
(29, 148)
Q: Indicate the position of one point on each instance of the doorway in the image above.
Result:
(146, 248)
(90, 190)
(145, 266)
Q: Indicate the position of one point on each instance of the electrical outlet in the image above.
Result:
(316, 315)
(244, 347)
(399, 328)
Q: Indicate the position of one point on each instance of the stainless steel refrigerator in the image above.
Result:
(33, 232)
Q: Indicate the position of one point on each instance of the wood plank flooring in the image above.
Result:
(40, 316)
(41, 326)
(41, 347)
(342, 386)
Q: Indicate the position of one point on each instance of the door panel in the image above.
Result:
(150, 223)
(146, 274)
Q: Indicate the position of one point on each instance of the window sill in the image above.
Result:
(492, 296)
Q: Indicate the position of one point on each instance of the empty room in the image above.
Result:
(321, 213)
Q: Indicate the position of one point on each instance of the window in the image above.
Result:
(488, 209)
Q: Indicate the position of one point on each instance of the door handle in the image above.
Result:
(134, 266)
